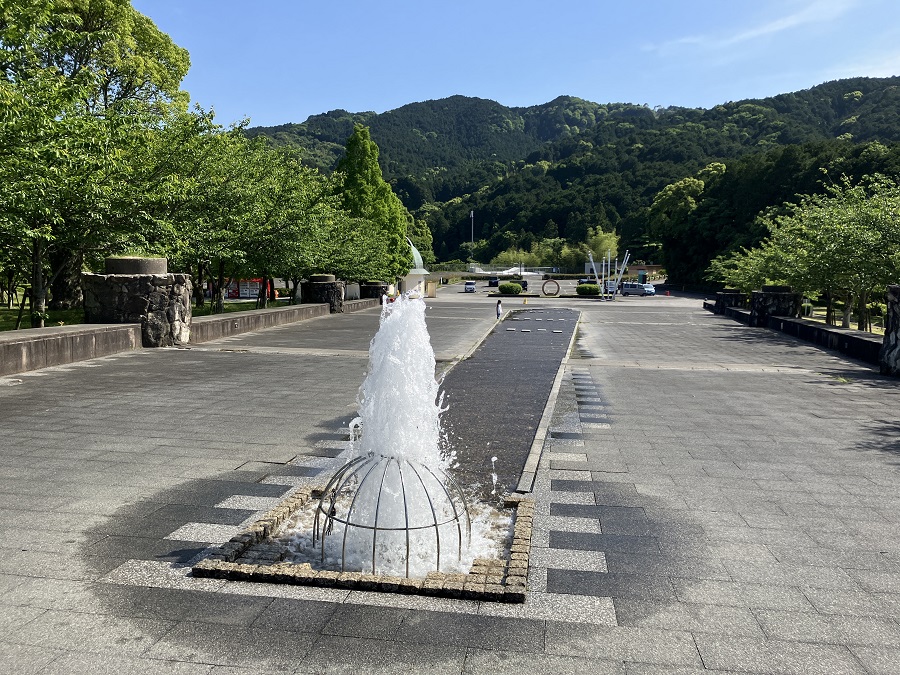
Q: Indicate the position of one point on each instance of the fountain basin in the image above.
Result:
(257, 555)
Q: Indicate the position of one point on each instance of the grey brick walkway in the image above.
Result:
(711, 497)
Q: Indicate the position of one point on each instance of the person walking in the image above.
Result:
(499, 310)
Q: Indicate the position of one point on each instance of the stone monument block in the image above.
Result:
(773, 301)
(159, 301)
(889, 355)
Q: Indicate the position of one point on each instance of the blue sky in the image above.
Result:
(281, 61)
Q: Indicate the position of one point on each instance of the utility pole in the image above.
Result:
(472, 216)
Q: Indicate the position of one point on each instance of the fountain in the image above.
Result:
(391, 518)
(393, 508)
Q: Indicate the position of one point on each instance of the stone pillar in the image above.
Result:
(773, 301)
(889, 356)
(140, 290)
(325, 288)
(729, 299)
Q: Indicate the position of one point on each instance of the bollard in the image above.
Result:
(667, 293)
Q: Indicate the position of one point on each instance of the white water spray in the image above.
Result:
(393, 509)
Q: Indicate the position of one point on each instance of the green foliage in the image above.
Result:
(367, 197)
(509, 288)
(844, 242)
(581, 165)
(587, 289)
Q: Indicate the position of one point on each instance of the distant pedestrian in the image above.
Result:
(499, 310)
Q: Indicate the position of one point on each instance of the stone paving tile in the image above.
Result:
(569, 475)
(740, 594)
(689, 567)
(365, 621)
(829, 629)
(159, 575)
(479, 661)
(632, 668)
(107, 664)
(665, 647)
(791, 575)
(688, 616)
(854, 603)
(76, 631)
(611, 543)
(878, 661)
(775, 657)
(877, 582)
(333, 654)
(827, 557)
(205, 532)
(564, 524)
(578, 582)
(462, 630)
(26, 659)
(591, 561)
(566, 457)
(249, 502)
(556, 607)
(577, 498)
(232, 646)
(418, 602)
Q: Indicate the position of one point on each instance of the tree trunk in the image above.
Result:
(829, 308)
(295, 283)
(38, 292)
(65, 289)
(272, 296)
(848, 310)
(262, 300)
(219, 290)
(862, 312)
(199, 291)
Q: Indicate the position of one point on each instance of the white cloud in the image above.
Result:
(816, 11)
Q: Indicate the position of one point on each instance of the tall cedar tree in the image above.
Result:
(368, 196)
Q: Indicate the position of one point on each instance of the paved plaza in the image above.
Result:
(710, 498)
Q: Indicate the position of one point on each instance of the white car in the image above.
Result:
(631, 288)
(469, 287)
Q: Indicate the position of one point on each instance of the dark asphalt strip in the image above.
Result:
(497, 396)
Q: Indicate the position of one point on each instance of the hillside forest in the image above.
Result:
(570, 169)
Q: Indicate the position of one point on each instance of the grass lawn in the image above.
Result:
(62, 317)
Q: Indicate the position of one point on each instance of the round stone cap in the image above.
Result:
(136, 265)
(320, 278)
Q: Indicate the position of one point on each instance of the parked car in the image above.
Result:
(469, 287)
(522, 283)
(493, 281)
(633, 288)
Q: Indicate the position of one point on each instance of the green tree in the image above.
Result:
(367, 197)
(842, 243)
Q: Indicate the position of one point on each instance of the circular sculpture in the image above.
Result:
(393, 516)
(555, 289)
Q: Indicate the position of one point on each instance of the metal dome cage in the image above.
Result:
(392, 514)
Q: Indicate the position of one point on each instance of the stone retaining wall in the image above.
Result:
(35, 348)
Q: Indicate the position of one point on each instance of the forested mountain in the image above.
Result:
(558, 169)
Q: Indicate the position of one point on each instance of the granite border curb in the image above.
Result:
(249, 557)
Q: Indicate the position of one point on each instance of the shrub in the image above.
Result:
(587, 289)
(510, 289)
